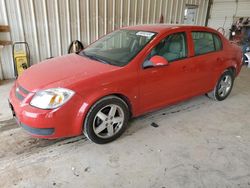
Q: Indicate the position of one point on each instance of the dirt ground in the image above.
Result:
(197, 143)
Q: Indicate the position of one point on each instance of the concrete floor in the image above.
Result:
(199, 143)
(5, 112)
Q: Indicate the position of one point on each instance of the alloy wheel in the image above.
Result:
(108, 121)
(225, 85)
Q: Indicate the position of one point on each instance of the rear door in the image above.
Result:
(207, 56)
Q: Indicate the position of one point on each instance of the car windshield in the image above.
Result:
(119, 47)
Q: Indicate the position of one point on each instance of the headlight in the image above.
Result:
(51, 98)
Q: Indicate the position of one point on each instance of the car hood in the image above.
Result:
(60, 69)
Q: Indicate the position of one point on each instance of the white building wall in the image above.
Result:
(50, 25)
(223, 12)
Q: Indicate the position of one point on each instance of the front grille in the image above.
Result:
(19, 96)
(26, 92)
(21, 92)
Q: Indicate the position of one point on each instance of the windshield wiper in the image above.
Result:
(98, 59)
(94, 57)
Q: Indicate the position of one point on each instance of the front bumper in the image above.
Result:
(65, 121)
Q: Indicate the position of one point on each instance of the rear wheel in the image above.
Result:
(106, 120)
(223, 87)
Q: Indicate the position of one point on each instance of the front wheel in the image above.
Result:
(223, 87)
(106, 120)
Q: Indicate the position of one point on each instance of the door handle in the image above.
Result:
(220, 60)
(184, 68)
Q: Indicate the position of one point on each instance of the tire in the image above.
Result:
(106, 120)
(223, 87)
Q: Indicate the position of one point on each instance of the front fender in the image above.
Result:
(90, 100)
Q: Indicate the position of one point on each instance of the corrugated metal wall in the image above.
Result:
(50, 25)
(224, 11)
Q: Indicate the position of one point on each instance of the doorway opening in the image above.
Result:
(190, 14)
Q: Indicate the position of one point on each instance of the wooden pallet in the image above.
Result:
(5, 42)
(4, 28)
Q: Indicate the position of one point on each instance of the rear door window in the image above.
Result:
(203, 42)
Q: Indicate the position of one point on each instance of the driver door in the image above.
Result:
(161, 85)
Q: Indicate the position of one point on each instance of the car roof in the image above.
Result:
(160, 28)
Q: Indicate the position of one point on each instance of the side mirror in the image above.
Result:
(155, 61)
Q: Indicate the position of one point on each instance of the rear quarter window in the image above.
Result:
(217, 42)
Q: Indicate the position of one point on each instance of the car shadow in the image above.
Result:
(152, 119)
(22, 143)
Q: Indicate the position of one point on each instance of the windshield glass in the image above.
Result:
(119, 47)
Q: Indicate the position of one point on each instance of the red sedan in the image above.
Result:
(126, 73)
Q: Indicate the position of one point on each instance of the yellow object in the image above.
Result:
(21, 57)
(21, 61)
